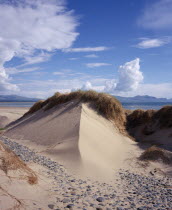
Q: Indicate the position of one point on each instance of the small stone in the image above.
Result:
(100, 199)
(51, 206)
(69, 206)
(65, 200)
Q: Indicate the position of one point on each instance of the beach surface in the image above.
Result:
(9, 114)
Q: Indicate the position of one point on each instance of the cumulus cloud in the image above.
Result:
(93, 65)
(129, 79)
(87, 86)
(151, 43)
(157, 15)
(87, 49)
(5, 82)
(32, 25)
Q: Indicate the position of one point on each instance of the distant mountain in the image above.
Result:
(142, 99)
(15, 98)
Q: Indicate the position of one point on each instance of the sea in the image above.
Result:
(131, 106)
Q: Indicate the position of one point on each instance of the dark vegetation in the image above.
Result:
(151, 120)
(156, 154)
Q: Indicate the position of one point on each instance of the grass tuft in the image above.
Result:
(139, 117)
(155, 154)
(161, 118)
(164, 116)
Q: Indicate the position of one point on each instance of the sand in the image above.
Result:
(9, 114)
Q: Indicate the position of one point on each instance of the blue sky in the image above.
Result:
(122, 47)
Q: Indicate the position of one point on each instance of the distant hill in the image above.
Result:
(15, 98)
(135, 99)
(142, 99)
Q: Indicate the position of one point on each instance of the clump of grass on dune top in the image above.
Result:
(105, 104)
(155, 154)
(37, 106)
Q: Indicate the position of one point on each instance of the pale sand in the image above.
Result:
(162, 137)
(11, 114)
(15, 191)
(102, 148)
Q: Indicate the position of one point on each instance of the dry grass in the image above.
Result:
(155, 154)
(139, 117)
(105, 104)
(37, 106)
(9, 161)
(162, 118)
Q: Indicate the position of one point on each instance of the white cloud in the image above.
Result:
(157, 15)
(92, 65)
(58, 73)
(110, 86)
(151, 43)
(91, 56)
(5, 84)
(129, 79)
(73, 59)
(130, 76)
(87, 86)
(17, 71)
(28, 26)
(87, 49)
(39, 58)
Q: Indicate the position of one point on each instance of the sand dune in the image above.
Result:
(76, 135)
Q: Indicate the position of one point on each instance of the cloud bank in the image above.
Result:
(129, 79)
(28, 26)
